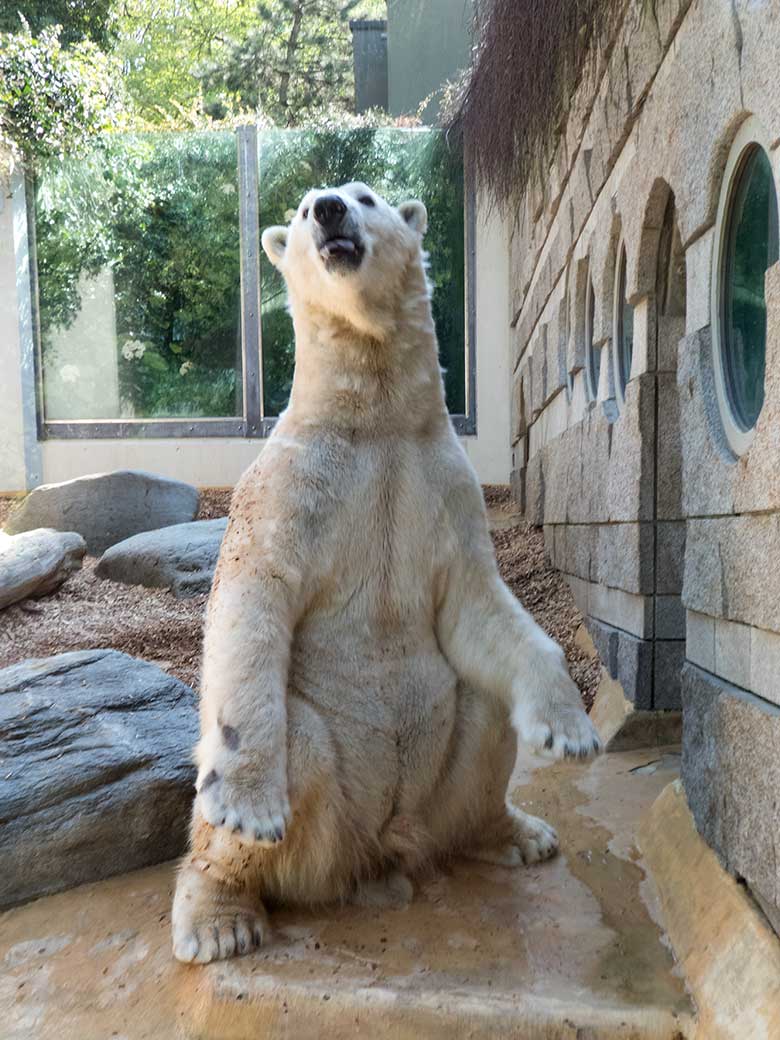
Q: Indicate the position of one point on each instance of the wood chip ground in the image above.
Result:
(87, 612)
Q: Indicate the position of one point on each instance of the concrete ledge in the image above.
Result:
(623, 727)
(728, 953)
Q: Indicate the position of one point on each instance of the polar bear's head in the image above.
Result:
(346, 248)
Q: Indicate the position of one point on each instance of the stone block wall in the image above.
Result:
(670, 541)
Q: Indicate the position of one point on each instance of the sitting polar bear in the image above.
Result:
(363, 658)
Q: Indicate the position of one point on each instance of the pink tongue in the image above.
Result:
(337, 245)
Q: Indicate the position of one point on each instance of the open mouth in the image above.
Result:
(342, 249)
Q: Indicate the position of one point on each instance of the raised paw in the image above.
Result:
(555, 729)
(234, 792)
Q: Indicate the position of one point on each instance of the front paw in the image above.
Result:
(235, 792)
(551, 719)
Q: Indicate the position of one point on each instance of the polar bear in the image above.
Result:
(366, 671)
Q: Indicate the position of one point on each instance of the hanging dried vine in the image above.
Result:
(527, 63)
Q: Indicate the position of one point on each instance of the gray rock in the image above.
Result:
(97, 776)
(181, 558)
(37, 562)
(105, 508)
(731, 774)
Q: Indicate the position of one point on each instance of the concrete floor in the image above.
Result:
(566, 949)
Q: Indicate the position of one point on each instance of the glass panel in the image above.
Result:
(593, 356)
(137, 248)
(752, 247)
(399, 164)
(625, 327)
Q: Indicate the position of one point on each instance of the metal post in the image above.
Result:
(249, 238)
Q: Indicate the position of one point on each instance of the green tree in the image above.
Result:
(162, 42)
(79, 19)
(278, 58)
(52, 99)
(296, 59)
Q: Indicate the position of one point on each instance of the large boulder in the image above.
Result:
(37, 562)
(96, 776)
(181, 558)
(106, 507)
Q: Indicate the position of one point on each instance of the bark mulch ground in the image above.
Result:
(87, 612)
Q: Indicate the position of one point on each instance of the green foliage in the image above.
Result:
(51, 99)
(160, 211)
(399, 164)
(79, 19)
(296, 58)
(184, 58)
(162, 42)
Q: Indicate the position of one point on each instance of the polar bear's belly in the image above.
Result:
(389, 702)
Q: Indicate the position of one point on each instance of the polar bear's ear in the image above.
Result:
(274, 243)
(416, 216)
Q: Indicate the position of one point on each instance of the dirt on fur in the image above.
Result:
(88, 612)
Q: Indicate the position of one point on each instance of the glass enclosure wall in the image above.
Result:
(398, 164)
(138, 277)
(140, 250)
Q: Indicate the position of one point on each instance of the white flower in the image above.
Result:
(133, 348)
(185, 368)
(228, 189)
(69, 373)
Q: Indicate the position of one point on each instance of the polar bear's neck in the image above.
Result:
(374, 370)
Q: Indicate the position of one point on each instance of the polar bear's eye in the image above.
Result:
(305, 213)
(366, 200)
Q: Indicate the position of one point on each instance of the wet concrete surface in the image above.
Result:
(565, 949)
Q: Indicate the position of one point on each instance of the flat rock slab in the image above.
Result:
(554, 951)
(96, 775)
(106, 508)
(181, 558)
(37, 562)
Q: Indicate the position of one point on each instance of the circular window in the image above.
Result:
(592, 356)
(623, 328)
(748, 246)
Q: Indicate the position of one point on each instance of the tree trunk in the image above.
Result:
(292, 46)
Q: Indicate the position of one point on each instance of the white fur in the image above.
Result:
(362, 654)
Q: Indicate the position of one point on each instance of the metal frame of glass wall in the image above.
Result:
(253, 424)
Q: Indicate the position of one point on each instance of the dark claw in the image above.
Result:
(549, 742)
(596, 746)
(569, 752)
(279, 832)
(238, 829)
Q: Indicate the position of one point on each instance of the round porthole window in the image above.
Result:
(748, 245)
(623, 332)
(592, 356)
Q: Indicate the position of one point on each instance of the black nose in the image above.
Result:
(329, 210)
